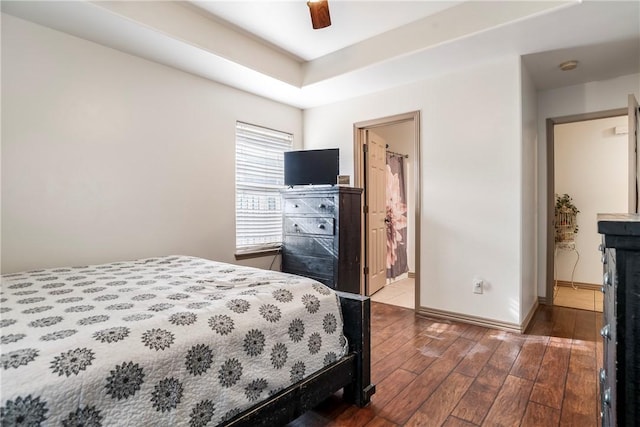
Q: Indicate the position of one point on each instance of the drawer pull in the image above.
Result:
(322, 206)
(603, 375)
(296, 206)
(601, 247)
(602, 288)
(321, 226)
(605, 332)
(606, 396)
(607, 278)
(603, 259)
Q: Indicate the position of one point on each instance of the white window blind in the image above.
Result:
(259, 179)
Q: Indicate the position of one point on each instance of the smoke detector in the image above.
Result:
(568, 65)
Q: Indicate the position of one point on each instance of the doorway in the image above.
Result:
(631, 168)
(398, 136)
(584, 187)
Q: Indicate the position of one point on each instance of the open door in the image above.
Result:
(375, 213)
(634, 160)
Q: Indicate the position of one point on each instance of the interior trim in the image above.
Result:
(527, 320)
(550, 123)
(359, 138)
(581, 285)
(473, 320)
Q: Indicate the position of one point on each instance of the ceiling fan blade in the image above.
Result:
(319, 10)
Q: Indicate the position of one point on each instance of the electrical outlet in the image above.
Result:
(478, 286)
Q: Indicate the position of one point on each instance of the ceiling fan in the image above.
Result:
(319, 10)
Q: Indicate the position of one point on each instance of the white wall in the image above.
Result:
(106, 156)
(400, 138)
(590, 165)
(529, 244)
(585, 98)
(471, 175)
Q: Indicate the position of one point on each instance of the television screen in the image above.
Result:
(315, 167)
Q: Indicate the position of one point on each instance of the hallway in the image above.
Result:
(584, 299)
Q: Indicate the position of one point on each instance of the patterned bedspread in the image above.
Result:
(157, 342)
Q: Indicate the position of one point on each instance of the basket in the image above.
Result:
(566, 226)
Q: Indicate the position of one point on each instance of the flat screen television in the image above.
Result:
(311, 167)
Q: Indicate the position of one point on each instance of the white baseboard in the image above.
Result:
(465, 318)
(581, 285)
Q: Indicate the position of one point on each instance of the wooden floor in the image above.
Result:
(436, 373)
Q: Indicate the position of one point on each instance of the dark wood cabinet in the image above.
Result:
(620, 375)
(322, 235)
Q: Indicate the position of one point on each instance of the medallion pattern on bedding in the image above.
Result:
(166, 341)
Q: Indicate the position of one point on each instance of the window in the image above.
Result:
(259, 179)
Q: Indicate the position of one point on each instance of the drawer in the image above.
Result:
(317, 205)
(316, 266)
(308, 225)
(310, 245)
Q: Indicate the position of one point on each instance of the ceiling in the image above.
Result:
(287, 24)
(268, 47)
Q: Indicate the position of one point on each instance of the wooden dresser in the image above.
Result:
(620, 376)
(322, 235)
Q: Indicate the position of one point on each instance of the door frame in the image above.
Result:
(359, 139)
(550, 125)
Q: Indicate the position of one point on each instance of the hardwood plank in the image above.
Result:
(457, 422)
(564, 322)
(391, 336)
(474, 332)
(424, 364)
(402, 407)
(380, 422)
(391, 386)
(585, 325)
(508, 350)
(538, 415)
(392, 361)
(549, 386)
(354, 417)
(429, 353)
(511, 402)
(479, 355)
(437, 408)
(581, 388)
(387, 347)
(542, 322)
(599, 359)
(386, 329)
(528, 362)
(475, 404)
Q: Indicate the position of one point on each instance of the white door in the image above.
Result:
(634, 156)
(375, 184)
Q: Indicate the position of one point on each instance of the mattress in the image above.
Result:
(167, 341)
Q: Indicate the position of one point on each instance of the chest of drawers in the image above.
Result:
(620, 375)
(321, 235)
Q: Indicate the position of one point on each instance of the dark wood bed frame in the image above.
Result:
(352, 372)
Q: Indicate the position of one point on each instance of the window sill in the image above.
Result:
(257, 254)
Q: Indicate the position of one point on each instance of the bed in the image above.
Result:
(176, 341)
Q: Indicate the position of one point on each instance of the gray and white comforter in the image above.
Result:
(163, 341)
